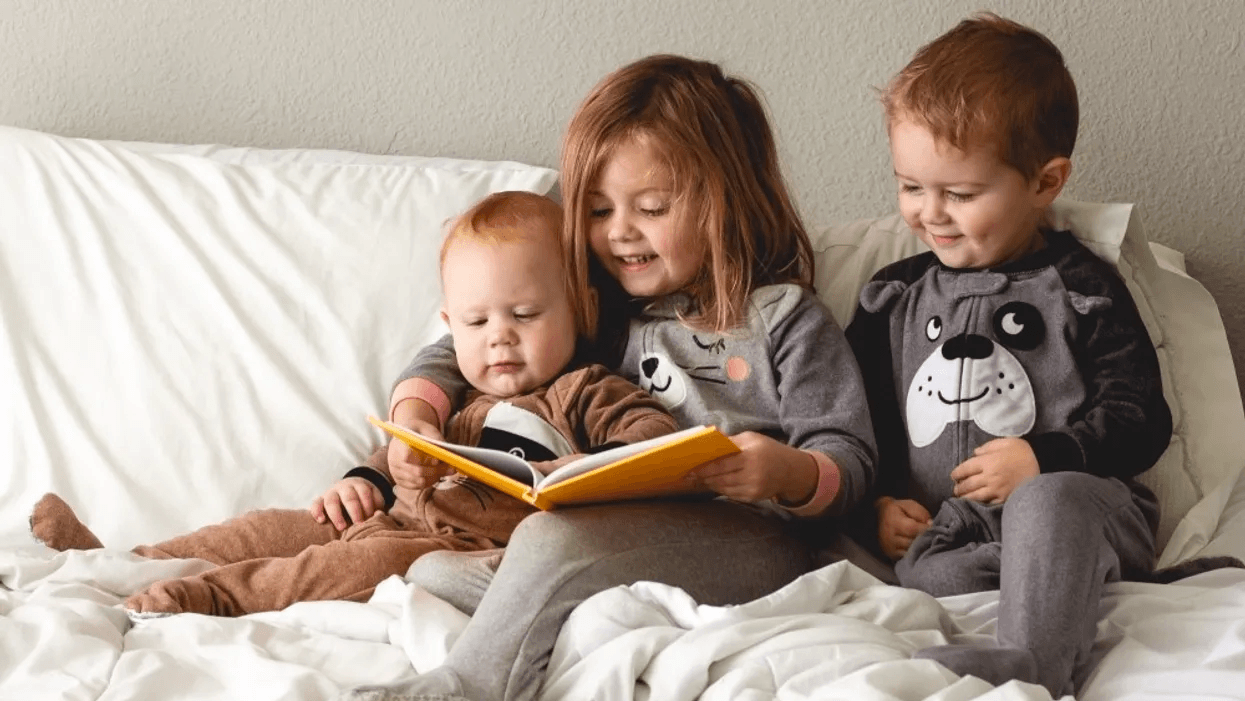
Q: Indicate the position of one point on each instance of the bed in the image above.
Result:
(190, 332)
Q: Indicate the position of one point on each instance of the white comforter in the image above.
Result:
(836, 633)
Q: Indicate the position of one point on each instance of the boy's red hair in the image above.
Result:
(717, 144)
(990, 81)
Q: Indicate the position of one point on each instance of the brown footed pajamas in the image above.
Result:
(267, 560)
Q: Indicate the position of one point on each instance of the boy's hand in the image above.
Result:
(412, 469)
(900, 521)
(352, 498)
(763, 468)
(995, 470)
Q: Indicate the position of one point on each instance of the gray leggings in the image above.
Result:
(1050, 549)
(718, 551)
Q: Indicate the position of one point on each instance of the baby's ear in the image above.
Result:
(445, 317)
(879, 295)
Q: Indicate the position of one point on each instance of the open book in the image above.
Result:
(655, 467)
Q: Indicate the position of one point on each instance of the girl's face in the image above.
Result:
(637, 225)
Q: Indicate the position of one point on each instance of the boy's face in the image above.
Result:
(508, 311)
(972, 209)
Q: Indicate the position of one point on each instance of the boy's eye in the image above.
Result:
(474, 322)
(909, 189)
(959, 196)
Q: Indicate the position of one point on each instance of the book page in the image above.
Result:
(595, 460)
(512, 466)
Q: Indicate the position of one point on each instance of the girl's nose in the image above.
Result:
(621, 228)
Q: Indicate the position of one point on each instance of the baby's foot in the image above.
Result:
(188, 595)
(53, 522)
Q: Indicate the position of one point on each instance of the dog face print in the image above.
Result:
(976, 376)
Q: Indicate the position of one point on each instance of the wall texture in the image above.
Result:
(1162, 86)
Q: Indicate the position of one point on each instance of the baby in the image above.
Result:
(515, 332)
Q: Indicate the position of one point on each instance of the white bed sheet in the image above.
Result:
(836, 633)
(63, 635)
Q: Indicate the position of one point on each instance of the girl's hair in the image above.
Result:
(714, 138)
(990, 81)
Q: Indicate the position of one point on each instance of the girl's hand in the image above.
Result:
(900, 521)
(351, 500)
(995, 470)
(764, 468)
(409, 468)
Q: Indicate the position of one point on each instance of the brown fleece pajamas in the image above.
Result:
(269, 559)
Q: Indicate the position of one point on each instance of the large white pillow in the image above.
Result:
(190, 332)
(1199, 379)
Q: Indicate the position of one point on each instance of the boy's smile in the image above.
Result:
(972, 209)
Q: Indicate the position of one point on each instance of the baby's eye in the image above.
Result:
(474, 322)
(959, 196)
(655, 211)
(909, 189)
(526, 315)
(599, 212)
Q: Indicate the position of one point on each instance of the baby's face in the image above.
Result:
(972, 209)
(508, 311)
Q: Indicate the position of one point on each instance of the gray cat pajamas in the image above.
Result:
(1049, 348)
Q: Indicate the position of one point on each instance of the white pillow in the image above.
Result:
(1183, 321)
(192, 332)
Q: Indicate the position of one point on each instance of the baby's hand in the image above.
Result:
(995, 470)
(352, 498)
(763, 468)
(412, 469)
(900, 521)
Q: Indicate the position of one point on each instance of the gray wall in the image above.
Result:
(1162, 86)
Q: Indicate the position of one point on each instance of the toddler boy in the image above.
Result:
(1014, 390)
(515, 335)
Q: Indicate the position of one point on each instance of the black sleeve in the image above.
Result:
(1125, 423)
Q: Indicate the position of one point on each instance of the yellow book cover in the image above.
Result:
(651, 468)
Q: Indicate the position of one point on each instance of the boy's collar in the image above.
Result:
(1054, 245)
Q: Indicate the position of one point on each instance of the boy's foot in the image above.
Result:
(997, 665)
(54, 524)
(188, 595)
